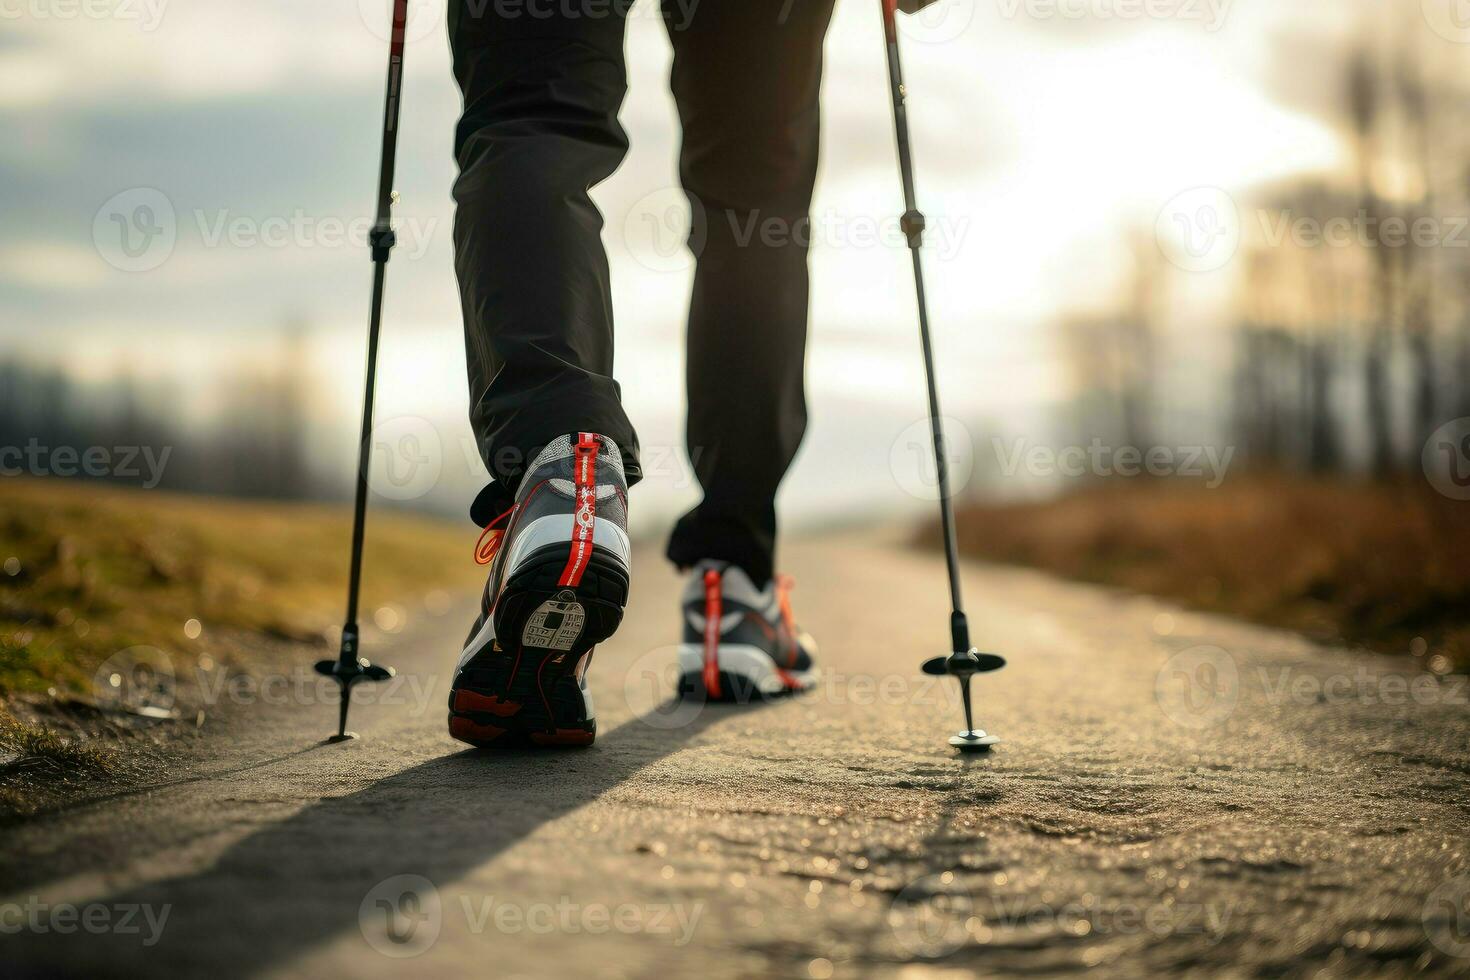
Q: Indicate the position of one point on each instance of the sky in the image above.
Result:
(245, 137)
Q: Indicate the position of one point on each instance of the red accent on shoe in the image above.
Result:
(585, 520)
(784, 585)
(792, 684)
(471, 701)
(491, 537)
(713, 610)
(563, 736)
(467, 730)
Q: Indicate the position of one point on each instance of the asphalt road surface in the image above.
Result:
(1175, 792)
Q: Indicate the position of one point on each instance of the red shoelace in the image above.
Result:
(784, 585)
(491, 537)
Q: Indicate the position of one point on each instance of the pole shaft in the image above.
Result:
(382, 244)
(364, 445)
(914, 222)
(389, 156)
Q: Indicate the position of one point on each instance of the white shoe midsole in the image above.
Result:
(538, 534)
(751, 663)
(557, 529)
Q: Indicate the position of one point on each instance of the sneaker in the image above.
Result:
(559, 567)
(739, 641)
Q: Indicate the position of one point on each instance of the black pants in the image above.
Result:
(543, 81)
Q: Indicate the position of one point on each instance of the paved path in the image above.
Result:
(1175, 792)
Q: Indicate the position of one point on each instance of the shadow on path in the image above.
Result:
(298, 883)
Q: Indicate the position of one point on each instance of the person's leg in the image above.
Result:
(543, 81)
(746, 79)
(541, 96)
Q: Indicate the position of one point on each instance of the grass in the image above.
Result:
(38, 765)
(87, 571)
(1381, 565)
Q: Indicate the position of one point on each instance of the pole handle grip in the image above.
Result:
(890, 19)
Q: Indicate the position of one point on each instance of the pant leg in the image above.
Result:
(746, 79)
(541, 91)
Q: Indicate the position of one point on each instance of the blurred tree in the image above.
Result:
(1364, 85)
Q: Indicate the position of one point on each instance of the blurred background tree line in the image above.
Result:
(1324, 348)
(1349, 309)
(255, 439)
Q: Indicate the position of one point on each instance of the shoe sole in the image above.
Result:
(746, 674)
(526, 688)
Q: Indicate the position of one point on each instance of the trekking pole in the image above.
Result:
(964, 661)
(348, 669)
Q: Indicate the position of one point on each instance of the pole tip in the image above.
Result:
(975, 741)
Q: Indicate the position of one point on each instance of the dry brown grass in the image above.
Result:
(95, 570)
(1383, 565)
(87, 571)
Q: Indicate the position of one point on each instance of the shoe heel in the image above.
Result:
(526, 688)
(537, 612)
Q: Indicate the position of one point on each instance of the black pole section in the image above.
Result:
(913, 228)
(964, 662)
(349, 668)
